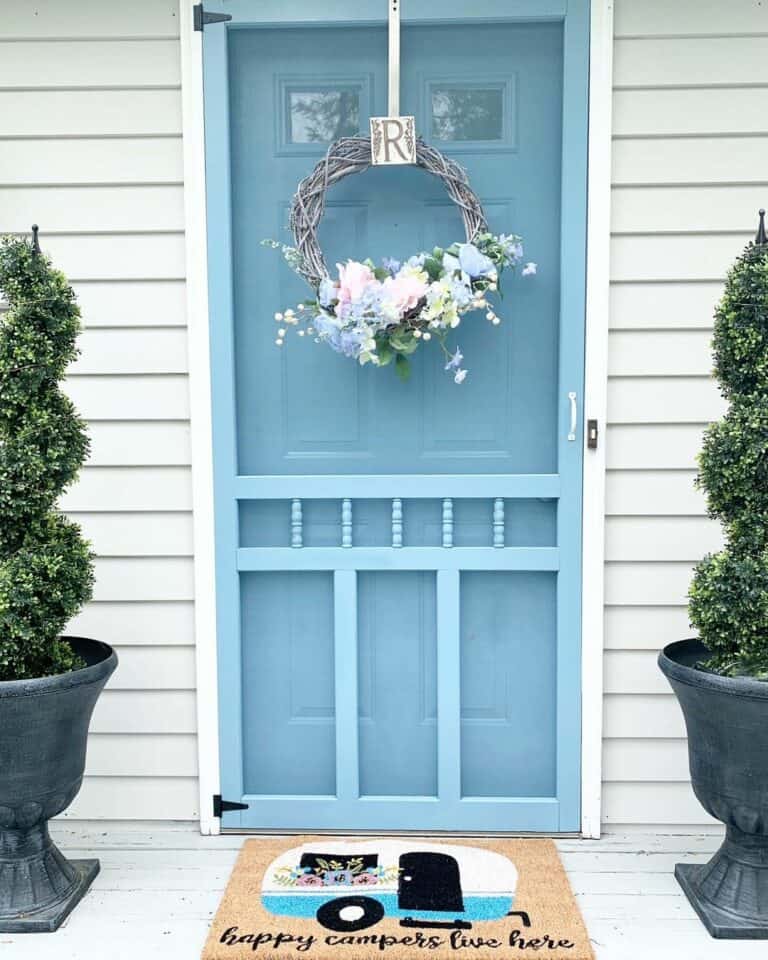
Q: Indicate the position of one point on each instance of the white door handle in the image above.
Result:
(574, 416)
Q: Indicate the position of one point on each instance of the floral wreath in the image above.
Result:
(380, 314)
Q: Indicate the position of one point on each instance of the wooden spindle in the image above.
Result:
(397, 522)
(346, 522)
(498, 522)
(447, 522)
(297, 528)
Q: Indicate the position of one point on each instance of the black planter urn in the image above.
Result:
(43, 733)
(727, 723)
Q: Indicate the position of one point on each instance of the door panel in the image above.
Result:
(397, 689)
(398, 564)
(508, 684)
(504, 417)
(288, 683)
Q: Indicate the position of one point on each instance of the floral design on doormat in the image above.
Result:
(330, 873)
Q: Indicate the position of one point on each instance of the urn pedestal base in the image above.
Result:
(51, 917)
(43, 736)
(720, 924)
(727, 723)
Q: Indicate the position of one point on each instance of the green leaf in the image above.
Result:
(433, 267)
(404, 343)
(384, 352)
(403, 367)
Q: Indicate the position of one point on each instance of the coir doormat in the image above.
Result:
(347, 899)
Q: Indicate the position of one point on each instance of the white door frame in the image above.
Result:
(595, 386)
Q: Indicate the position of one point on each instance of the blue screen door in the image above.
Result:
(398, 572)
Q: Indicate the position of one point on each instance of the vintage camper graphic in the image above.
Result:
(349, 886)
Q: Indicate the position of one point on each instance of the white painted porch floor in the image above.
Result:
(159, 886)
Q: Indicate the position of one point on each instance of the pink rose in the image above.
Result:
(404, 292)
(365, 879)
(309, 880)
(353, 279)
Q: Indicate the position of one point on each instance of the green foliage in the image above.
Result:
(46, 568)
(741, 326)
(733, 466)
(729, 592)
(402, 366)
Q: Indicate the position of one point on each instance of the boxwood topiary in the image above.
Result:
(46, 568)
(729, 593)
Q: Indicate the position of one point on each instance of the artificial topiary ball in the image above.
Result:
(729, 605)
(740, 341)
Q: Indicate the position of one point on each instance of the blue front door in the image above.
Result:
(398, 564)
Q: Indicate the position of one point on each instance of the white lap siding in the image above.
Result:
(90, 148)
(690, 132)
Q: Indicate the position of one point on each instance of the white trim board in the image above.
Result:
(595, 407)
(598, 246)
(196, 252)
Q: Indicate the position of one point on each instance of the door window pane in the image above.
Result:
(467, 113)
(320, 116)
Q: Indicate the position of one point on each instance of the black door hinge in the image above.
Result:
(201, 18)
(592, 434)
(222, 806)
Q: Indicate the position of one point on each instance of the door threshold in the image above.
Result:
(448, 834)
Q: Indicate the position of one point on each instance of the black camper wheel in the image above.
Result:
(330, 915)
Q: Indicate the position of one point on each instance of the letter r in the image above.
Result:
(393, 140)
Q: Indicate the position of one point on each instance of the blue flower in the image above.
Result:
(512, 248)
(455, 362)
(328, 329)
(351, 341)
(327, 292)
(461, 293)
(529, 269)
(474, 263)
(390, 264)
(450, 263)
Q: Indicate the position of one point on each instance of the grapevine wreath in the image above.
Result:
(380, 314)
